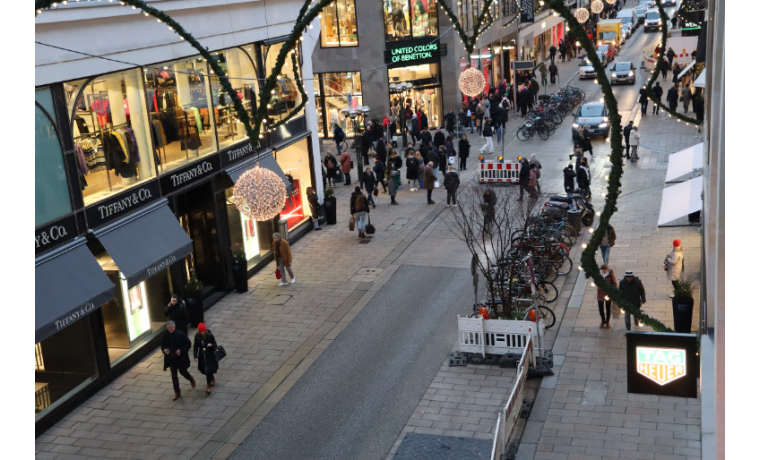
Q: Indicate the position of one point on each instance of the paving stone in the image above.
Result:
(418, 446)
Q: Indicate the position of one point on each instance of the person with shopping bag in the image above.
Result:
(204, 347)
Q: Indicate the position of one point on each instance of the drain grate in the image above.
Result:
(364, 241)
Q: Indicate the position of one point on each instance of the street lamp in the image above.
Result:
(353, 114)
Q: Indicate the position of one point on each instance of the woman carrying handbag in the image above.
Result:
(204, 347)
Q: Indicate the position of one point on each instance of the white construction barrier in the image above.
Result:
(496, 336)
(494, 172)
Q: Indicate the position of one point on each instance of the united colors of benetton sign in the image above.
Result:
(662, 364)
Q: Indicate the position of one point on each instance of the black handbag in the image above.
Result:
(219, 353)
(369, 228)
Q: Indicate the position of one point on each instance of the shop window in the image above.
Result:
(339, 24)
(64, 363)
(286, 96)
(425, 93)
(135, 313)
(320, 105)
(51, 189)
(238, 66)
(341, 90)
(178, 97)
(253, 237)
(406, 19)
(462, 13)
(112, 132)
(294, 161)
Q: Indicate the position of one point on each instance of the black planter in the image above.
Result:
(240, 275)
(682, 314)
(331, 209)
(195, 309)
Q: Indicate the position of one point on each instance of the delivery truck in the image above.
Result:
(608, 32)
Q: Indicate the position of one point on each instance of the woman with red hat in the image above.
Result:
(674, 262)
(203, 351)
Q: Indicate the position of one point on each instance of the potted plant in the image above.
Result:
(194, 297)
(239, 268)
(331, 206)
(683, 304)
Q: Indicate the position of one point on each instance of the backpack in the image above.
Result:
(360, 204)
(611, 235)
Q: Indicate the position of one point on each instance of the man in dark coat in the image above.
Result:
(451, 184)
(451, 120)
(423, 120)
(553, 72)
(439, 139)
(426, 137)
(370, 183)
(177, 311)
(176, 347)
(670, 55)
(643, 100)
(428, 181)
(379, 170)
(415, 130)
(632, 290)
(583, 177)
(464, 152)
(569, 176)
(552, 53)
(524, 176)
(463, 120)
(381, 150)
(627, 136)
(443, 161)
(499, 118)
(339, 136)
(657, 90)
(664, 67)
(366, 143)
(672, 97)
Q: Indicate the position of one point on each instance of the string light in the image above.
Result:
(260, 194)
(472, 82)
(597, 6)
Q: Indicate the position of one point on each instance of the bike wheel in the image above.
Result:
(565, 265)
(543, 133)
(548, 291)
(523, 133)
(588, 220)
(547, 316)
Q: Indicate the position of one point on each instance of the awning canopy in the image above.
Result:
(68, 285)
(267, 162)
(684, 162)
(680, 200)
(683, 72)
(147, 243)
(701, 79)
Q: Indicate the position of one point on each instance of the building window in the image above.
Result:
(238, 66)
(294, 161)
(255, 238)
(425, 94)
(334, 92)
(51, 189)
(339, 24)
(406, 19)
(286, 96)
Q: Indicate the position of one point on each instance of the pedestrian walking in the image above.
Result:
(657, 90)
(366, 144)
(672, 97)
(464, 152)
(443, 162)
(345, 165)
(369, 181)
(426, 137)
(429, 180)
(670, 55)
(552, 53)
(635, 138)
(585, 140)
(176, 346)
(420, 168)
(439, 138)
(627, 135)
(562, 50)
(359, 209)
(486, 108)
(632, 290)
(583, 177)
(676, 73)
(643, 100)
(569, 183)
(411, 172)
(379, 170)
(451, 119)
(479, 114)
(451, 184)
(381, 151)
(686, 98)
(176, 311)
(488, 135)
(338, 136)
(664, 67)
(532, 180)
(449, 147)
(602, 298)
(331, 165)
(524, 177)
(313, 198)
(698, 104)
(394, 181)
(423, 120)
(415, 130)
(282, 258)
(534, 161)
(553, 72)
(674, 262)
(204, 347)
(608, 240)
(542, 71)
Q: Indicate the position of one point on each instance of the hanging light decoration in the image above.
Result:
(472, 82)
(581, 14)
(260, 194)
(597, 6)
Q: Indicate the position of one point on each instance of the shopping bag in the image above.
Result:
(615, 310)
(352, 223)
(437, 184)
(277, 273)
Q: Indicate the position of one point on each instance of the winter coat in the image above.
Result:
(442, 161)
(606, 238)
(532, 180)
(633, 291)
(610, 278)
(627, 133)
(411, 168)
(487, 130)
(345, 162)
(426, 137)
(203, 350)
(676, 73)
(177, 340)
(635, 137)
(524, 173)
(381, 151)
(657, 90)
(569, 180)
(686, 96)
(486, 108)
(643, 96)
(379, 169)
(433, 157)
(352, 205)
(423, 122)
(396, 161)
(675, 264)
(369, 181)
(415, 128)
(538, 168)
(439, 139)
(450, 148)
(178, 313)
(582, 176)
(464, 148)
(450, 121)
(464, 120)
(552, 69)
(331, 171)
(313, 203)
(338, 134)
(428, 180)
(366, 142)
(394, 181)
(451, 181)
(285, 255)
(672, 98)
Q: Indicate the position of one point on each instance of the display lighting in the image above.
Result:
(260, 194)
(581, 14)
(472, 82)
(597, 6)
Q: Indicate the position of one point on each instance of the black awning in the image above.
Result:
(143, 244)
(68, 285)
(267, 162)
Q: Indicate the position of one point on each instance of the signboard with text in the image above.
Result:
(413, 53)
(526, 13)
(662, 364)
(121, 204)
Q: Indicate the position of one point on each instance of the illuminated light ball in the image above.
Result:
(597, 6)
(581, 14)
(472, 82)
(260, 194)
(611, 2)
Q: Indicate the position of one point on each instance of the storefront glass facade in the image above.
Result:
(51, 192)
(406, 19)
(334, 92)
(294, 161)
(426, 91)
(286, 96)
(339, 25)
(238, 65)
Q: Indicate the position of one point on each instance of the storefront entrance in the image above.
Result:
(425, 93)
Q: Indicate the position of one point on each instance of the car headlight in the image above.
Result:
(630, 74)
(575, 125)
(614, 75)
(659, 22)
(605, 119)
(603, 125)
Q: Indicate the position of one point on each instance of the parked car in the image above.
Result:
(587, 70)
(623, 72)
(668, 3)
(594, 115)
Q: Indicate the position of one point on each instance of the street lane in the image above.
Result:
(355, 399)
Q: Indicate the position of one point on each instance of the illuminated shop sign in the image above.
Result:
(662, 364)
(414, 53)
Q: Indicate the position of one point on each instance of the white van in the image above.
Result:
(629, 17)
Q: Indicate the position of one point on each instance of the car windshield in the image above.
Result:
(591, 111)
(622, 67)
(653, 15)
(608, 36)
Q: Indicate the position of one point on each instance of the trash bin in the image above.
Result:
(574, 219)
(683, 310)
(331, 210)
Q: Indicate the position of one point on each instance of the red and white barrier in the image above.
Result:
(495, 172)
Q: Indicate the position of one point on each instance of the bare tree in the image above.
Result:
(487, 230)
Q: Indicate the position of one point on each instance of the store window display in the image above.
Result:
(406, 19)
(294, 161)
(111, 133)
(51, 190)
(238, 66)
(253, 237)
(339, 24)
(286, 96)
(425, 93)
(342, 89)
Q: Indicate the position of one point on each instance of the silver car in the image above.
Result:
(623, 72)
(594, 116)
(587, 70)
